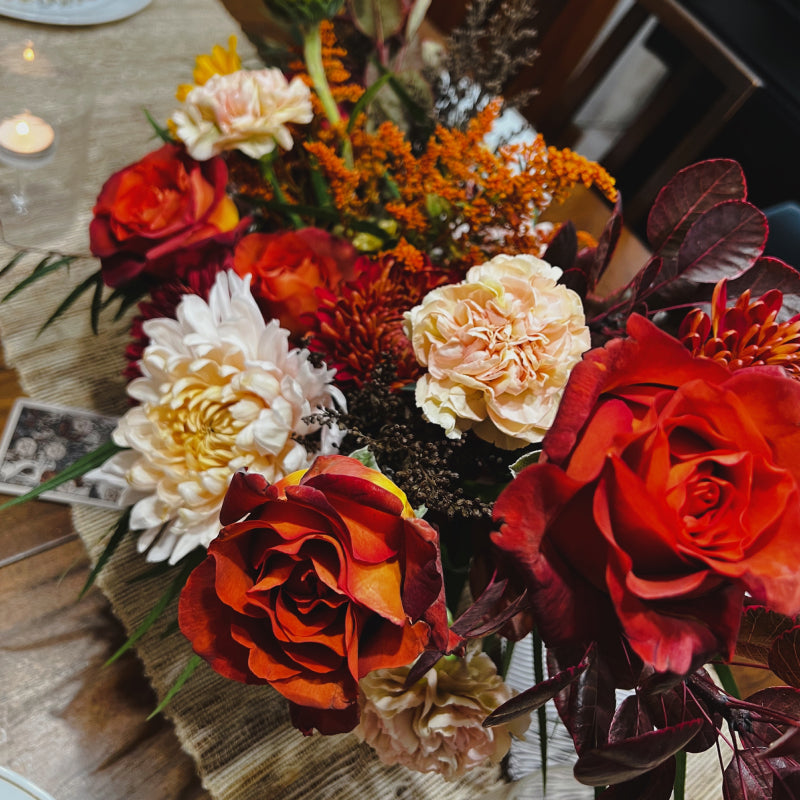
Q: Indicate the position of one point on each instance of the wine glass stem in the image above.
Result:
(19, 199)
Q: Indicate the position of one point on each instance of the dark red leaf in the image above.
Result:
(563, 247)
(759, 629)
(628, 759)
(657, 784)
(693, 191)
(606, 244)
(631, 719)
(678, 705)
(768, 729)
(751, 776)
(770, 273)
(723, 243)
(784, 657)
(479, 620)
(586, 706)
(535, 697)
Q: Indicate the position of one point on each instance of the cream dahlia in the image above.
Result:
(221, 390)
(248, 110)
(498, 348)
(436, 724)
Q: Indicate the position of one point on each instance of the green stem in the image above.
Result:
(679, 788)
(727, 680)
(268, 173)
(541, 712)
(312, 52)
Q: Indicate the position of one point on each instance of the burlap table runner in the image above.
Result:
(239, 736)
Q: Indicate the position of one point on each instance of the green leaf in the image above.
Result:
(118, 533)
(366, 457)
(727, 680)
(70, 299)
(97, 304)
(161, 132)
(188, 670)
(91, 460)
(525, 460)
(41, 270)
(188, 564)
(14, 261)
(365, 99)
(416, 17)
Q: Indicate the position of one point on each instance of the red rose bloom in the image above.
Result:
(288, 267)
(670, 488)
(155, 207)
(313, 582)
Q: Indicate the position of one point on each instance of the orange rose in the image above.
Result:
(159, 205)
(288, 267)
(670, 489)
(313, 582)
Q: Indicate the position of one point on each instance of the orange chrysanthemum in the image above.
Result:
(362, 323)
(745, 335)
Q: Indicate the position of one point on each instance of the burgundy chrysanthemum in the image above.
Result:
(361, 324)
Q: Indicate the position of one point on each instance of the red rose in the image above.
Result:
(155, 207)
(288, 267)
(670, 488)
(314, 582)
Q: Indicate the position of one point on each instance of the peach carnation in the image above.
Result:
(436, 725)
(248, 110)
(498, 348)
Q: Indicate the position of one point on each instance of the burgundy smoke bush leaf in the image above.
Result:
(606, 244)
(628, 759)
(586, 705)
(784, 657)
(751, 776)
(679, 704)
(563, 247)
(723, 243)
(693, 191)
(535, 697)
(770, 273)
(631, 719)
(657, 784)
(759, 629)
(781, 737)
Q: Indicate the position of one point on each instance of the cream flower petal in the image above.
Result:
(248, 110)
(499, 348)
(220, 390)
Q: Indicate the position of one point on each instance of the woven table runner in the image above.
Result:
(239, 736)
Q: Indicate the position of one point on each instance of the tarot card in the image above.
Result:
(40, 440)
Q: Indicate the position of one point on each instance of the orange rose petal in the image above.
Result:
(611, 419)
(377, 586)
(392, 646)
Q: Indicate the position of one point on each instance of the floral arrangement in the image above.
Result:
(386, 426)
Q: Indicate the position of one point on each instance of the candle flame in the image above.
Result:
(29, 54)
(22, 128)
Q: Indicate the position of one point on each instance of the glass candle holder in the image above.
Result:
(45, 113)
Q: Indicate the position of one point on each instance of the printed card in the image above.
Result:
(40, 440)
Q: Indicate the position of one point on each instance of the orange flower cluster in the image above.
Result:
(457, 199)
(744, 335)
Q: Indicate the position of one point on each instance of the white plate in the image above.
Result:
(15, 787)
(71, 12)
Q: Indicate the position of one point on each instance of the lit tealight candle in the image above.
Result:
(26, 135)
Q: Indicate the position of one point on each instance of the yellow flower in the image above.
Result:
(218, 62)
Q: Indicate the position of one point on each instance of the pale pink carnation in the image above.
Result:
(498, 348)
(436, 724)
(245, 110)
